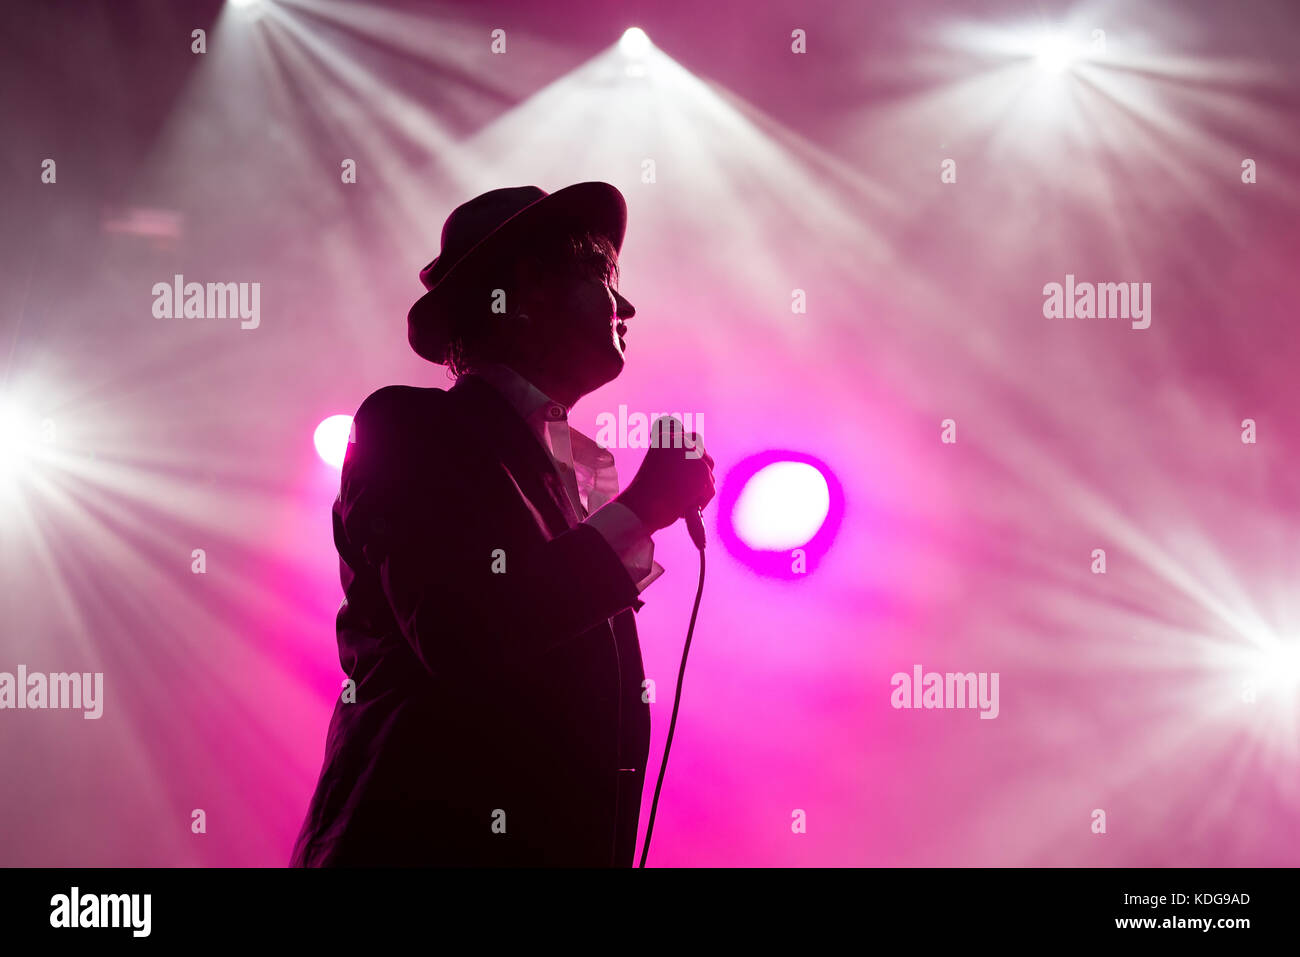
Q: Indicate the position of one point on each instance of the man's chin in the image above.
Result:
(611, 365)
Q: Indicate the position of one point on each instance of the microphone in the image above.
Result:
(694, 521)
(695, 525)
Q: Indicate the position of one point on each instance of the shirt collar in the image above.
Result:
(533, 405)
(537, 409)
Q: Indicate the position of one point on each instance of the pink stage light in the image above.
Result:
(779, 512)
(331, 439)
(783, 505)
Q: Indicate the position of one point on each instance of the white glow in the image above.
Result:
(242, 3)
(1054, 52)
(782, 506)
(634, 42)
(1278, 665)
(331, 439)
(17, 437)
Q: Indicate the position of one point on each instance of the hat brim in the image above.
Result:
(595, 206)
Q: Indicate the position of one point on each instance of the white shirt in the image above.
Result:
(586, 469)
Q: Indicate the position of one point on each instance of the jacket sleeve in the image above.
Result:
(473, 582)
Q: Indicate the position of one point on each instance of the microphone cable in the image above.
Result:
(677, 700)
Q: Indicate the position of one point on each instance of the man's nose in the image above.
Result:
(625, 309)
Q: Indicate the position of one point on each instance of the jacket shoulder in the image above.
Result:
(397, 410)
(396, 401)
(392, 422)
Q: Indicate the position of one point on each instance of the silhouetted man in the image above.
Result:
(491, 566)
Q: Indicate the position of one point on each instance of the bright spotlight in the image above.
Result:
(634, 42)
(779, 512)
(16, 440)
(1054, 52)
(1278, 666)
(331, 439)
(782, 506)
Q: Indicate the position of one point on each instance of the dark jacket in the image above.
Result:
(485, 702)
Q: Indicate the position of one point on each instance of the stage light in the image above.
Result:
(331, 439)
(634, 42)
(16, 439)
(1277, 665)
(782, 506)
(779, 511)
(241, 4)
(1054, 52)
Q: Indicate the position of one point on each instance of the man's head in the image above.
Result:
(564, 320)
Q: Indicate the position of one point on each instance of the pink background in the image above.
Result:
(774, 172)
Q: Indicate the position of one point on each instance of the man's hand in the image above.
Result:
(676, 476)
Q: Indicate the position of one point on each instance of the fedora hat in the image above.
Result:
(480, 233)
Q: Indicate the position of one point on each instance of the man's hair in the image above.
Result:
(568, 253)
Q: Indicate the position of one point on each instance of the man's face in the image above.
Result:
(583, 324)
